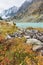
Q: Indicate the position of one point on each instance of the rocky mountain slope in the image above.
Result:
(33, 13)
(24, 6)
(28, 12)
(13, 11)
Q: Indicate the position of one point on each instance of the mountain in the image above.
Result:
(14, 11)
(30, 12)
(24, 6)
(9, 12)
(22, 9)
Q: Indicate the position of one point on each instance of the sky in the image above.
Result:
(5, 4)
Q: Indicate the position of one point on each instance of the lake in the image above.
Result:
(24, 25)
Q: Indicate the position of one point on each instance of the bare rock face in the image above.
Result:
(33, 13)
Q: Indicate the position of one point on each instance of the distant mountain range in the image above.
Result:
(28, 12)
(13, 11)
(9, 12)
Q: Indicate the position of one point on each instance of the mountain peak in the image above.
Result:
(29, 10)
(9, 12)
(29, 0)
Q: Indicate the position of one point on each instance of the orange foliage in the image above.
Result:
(16, 52)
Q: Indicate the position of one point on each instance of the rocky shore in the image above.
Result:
(28, 34)
(34, 37)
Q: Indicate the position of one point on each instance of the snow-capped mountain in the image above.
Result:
(24, 6)
(32, 12)
(15, 10)
(9, 12)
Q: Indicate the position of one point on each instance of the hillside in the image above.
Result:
(7, 28)
(19, 50)
(33, 13)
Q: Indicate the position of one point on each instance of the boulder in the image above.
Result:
(37, 47)
(34, 41)
(27, 37)
(42, 52)
(8, 37)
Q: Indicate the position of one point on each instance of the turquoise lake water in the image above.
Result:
(24, 25)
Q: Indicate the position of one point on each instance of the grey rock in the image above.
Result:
(39, 34)
(42, 52)
(36, 47)
(8, 37)
(27, 37)
(33, 41)
(34, 36)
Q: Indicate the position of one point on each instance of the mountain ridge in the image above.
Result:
(34, 13)
(9, 12)
(28, 12)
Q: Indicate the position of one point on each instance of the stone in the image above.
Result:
(34, 36)
(39, 34)
(27, 37)
(42, 52)
(33, 41)
(36, 47)
(8, 37)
